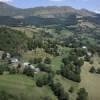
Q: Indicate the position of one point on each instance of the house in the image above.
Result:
(36, 70)
(89, 54)
(4, 55)
(84, 47)
(14, 60)
(8, 56)
(28, 65)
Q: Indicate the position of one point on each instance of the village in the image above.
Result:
(16, 65)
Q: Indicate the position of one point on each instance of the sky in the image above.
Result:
(93, 5)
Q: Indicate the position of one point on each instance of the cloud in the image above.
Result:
(97, 11)
(5, 0)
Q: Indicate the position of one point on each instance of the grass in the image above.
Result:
(66, 32)
(67, 84)
(56, 63)
(24, 86)
(91, 81)
(38, 53)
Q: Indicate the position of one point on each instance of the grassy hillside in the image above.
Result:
(12, 40)
(22, 86)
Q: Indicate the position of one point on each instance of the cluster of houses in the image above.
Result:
(17, 64)
(20, 66)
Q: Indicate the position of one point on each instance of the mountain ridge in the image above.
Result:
(9, 10)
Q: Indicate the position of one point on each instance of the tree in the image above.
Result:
(71, 72)
(6, 96)
(1, 71)
(82, 94)
(92, 70)
(12, 41)
(47, 60)
(13, 71)
(59, 91)
(79, 62)
(87, 58)
(43, 80)
(28, 71)
(71, 89)
(4, 55)
(39, 82)
(98, 70)
(30, 44)
(36, 60)
(3, 68)
(44, 68)
(65, 60)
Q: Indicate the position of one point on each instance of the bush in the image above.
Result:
(91, 61)
(87, 58)
(79, 62)
(82, 94)
(47, 60)
(12, 71)
(92, 70)
(65, 61)
(3, 67)
(43, 80)
(1, 71)
(98, 70)
(37, 60)
(44, 68)
(59, 91)
(71, 89)
(28, 71)
(71, 72)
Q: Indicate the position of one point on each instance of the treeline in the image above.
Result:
(71, 67)
(69, 19)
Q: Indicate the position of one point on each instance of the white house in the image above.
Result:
(14, 60)
(84, 47)
(8, 55)
(27, 64)
(89, 54)
(36, 70)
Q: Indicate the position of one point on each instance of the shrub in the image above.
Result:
(12, 71)
(37, 60)
(44, 68)
(98, 70)
(82, 94)
(28, 71)
(71, 89)
(47, 60)
(59, 91)
(92, 70)
(43, 80)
